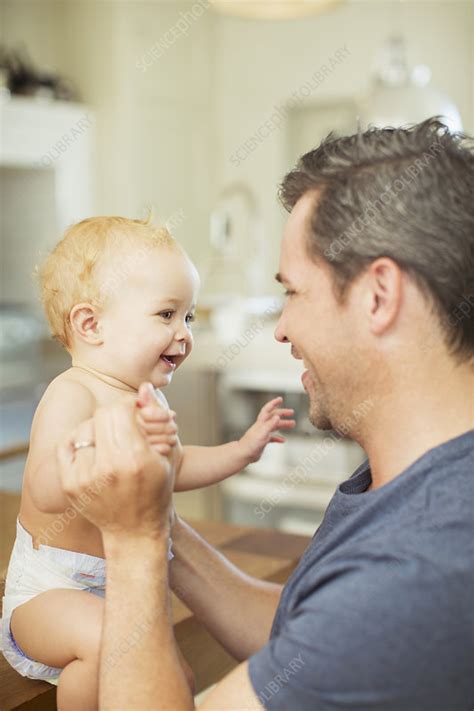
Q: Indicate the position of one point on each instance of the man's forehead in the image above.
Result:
(294, 252)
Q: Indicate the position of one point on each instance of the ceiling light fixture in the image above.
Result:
(399, 95)
(273, 9)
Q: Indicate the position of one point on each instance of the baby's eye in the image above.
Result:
(166, 314)
(190, 318)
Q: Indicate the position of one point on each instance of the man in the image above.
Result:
(377, 260)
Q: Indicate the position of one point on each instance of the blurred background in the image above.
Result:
(198, 109)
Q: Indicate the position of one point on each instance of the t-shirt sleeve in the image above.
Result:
(363, 638)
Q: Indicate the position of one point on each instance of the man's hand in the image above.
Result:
(269, 420)
(122, 484)
(156, 422)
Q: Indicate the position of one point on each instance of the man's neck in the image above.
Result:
(427, 411)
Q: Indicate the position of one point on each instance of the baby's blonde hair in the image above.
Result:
(68, 276)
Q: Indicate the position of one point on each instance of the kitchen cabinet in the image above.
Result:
(193, 395)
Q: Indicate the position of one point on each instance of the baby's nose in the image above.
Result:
(183, 334)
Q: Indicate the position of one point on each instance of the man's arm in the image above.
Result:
(235, 608)
(128, 488)
(139, 665)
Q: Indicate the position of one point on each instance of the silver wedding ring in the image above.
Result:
(82, 444)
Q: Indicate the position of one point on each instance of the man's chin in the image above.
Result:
(320, 421)
(318, 417)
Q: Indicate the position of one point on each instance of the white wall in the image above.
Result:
(268, 61)
(166, 135)
(153, 121)
(155, 127)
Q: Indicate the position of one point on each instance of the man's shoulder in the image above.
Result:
(387, 576)
(420, 520)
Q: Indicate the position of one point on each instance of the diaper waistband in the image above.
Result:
(87, 565)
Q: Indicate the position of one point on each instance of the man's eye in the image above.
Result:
(166, 314)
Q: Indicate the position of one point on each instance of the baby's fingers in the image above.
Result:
(267, 409)
(285, 412)
(153, 413)
(276, 423)
(159, 427)
(272, 404)
(163, 449)
(286, 424)
(277, 439)
(172, 440)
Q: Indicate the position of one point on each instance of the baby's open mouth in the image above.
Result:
(170, 360)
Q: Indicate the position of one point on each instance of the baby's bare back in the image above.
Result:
(45, 512)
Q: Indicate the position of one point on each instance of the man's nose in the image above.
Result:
(280, 331)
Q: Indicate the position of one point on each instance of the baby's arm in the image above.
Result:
(202, 466)
(65, 405)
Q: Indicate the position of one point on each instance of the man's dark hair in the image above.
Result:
(404, 193)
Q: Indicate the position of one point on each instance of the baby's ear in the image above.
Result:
(85, 324)
(146, 395)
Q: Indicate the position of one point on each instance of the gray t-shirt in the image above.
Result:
(379, 614)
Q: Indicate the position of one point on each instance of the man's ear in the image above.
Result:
(85, 323)
(385, 284)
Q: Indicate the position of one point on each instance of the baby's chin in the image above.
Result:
(161, 375)
(160, 380)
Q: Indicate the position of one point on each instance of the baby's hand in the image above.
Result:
(269, 420)
(157, 423)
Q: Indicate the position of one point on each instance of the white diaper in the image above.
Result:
(32, 571)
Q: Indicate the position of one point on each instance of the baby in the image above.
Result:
(120, 296)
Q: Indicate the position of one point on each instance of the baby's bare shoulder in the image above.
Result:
(65, 403)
